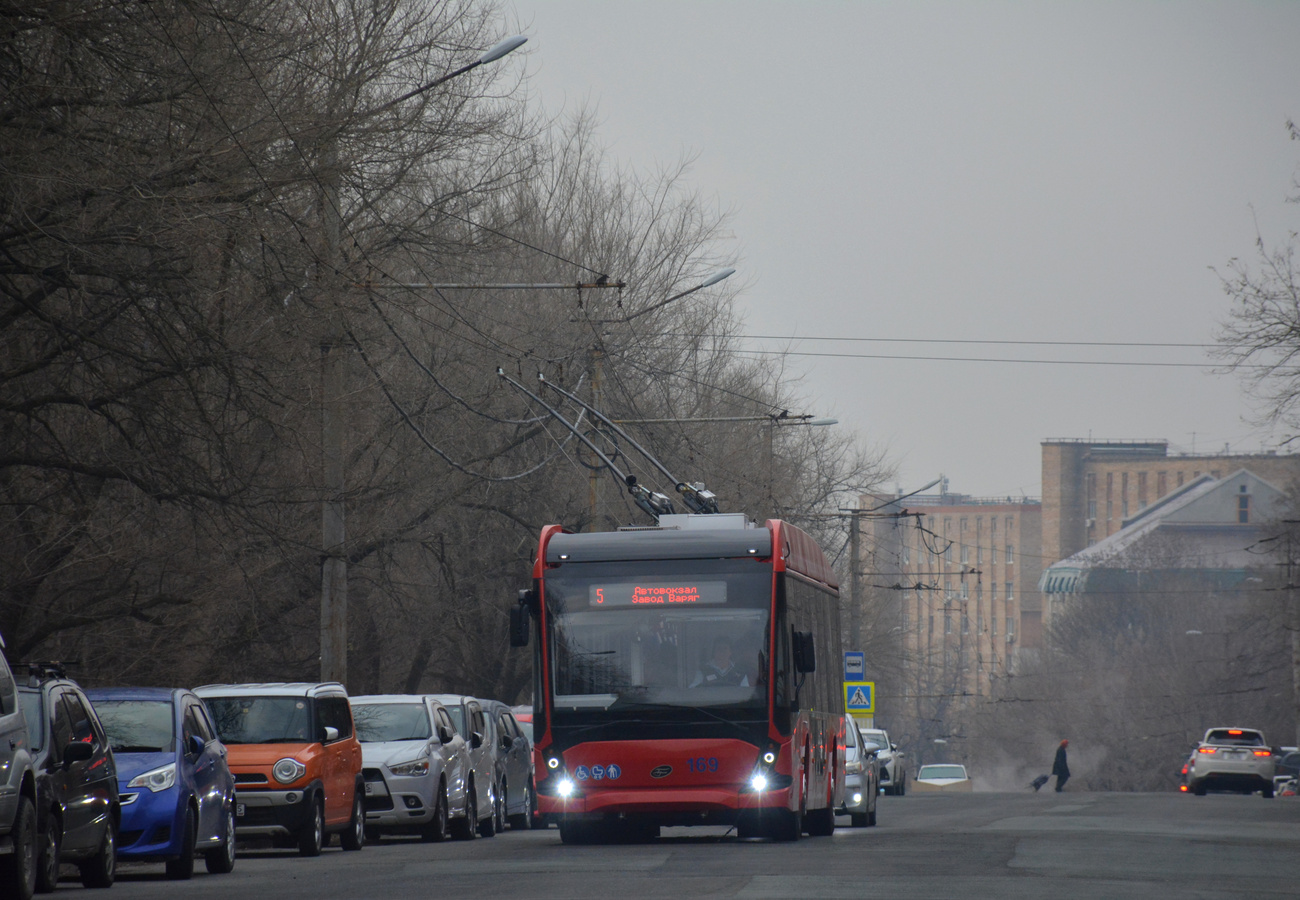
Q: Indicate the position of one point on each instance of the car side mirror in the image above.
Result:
(331, 733)
(444, 734)
(78, 751)
(805, 656)
(507, 742)
(476, 740)
(196, 745)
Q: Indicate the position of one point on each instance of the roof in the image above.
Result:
(272, 689)
(1192, 530)
(134, 693)
(389, 698)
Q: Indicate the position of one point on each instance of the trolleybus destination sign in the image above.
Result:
(660, 594)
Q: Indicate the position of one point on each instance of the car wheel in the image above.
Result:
(501, 807)
(488, 827)
(354, 837)
(221, 860)
(467, 828)
(436, 829)
(47, 855)
(1267, 792)
(786, 826)
(575, 833)
(312, 837)
(858, 820)
(100, 870)
(1199, 789)
(18, 869)
(182, 867)
(902, 785)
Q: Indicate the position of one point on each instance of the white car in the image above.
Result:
(471, 722)
(415, 766)
(893, 765)
(861, 779)
(1232, 759)
(945, 777)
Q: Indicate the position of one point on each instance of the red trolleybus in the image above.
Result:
(676, 679)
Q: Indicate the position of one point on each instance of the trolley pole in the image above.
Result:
(855, 579)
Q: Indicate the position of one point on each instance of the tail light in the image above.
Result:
(1263, 752)
(1204, 749)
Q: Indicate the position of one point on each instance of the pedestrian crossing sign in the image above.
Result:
(860, 698)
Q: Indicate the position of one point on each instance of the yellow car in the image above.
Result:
(948, 777)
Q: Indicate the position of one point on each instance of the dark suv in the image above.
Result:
(17, 794)
(78, 814)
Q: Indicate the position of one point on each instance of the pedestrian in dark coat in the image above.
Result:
(1059, 767)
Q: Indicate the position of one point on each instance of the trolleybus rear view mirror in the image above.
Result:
(805, 658)
(519, 625)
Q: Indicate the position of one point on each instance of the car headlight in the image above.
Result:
(853, 767)
(159, 779)
(288, 770)
(414, 767)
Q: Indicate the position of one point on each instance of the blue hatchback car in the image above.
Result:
(177, 793)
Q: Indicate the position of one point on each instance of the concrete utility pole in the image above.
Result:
(855, 579)
(333, 369)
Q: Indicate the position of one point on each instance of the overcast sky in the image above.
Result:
(965, 172)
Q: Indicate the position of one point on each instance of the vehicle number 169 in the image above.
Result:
(702, 764)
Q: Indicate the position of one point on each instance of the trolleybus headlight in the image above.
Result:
(758, 782)
(565, 788)
(553, 762)
(769, 757)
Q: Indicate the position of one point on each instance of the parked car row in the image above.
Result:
(153, 774)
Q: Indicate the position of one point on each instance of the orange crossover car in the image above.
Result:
(296, 761)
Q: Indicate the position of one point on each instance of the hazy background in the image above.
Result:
(966, 172)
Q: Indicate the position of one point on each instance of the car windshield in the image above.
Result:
(1236, 737)
(679, 633)
(941, 772)
(379, 722)
(34, 713)
(876, 739)
(261, 720)
(137, 726)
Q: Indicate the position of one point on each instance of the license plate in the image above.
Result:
(239, 810)
(370, 788)
(376, 789)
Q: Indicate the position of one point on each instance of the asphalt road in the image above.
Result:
(1074, 845)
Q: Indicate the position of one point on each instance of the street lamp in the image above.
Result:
(713, 279)
(334, 564)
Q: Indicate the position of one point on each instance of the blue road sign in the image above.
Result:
(860, 698)
(855, 665)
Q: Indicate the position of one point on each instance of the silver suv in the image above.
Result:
(17, 793)
(893, 764)
(514, 765)
(415, 765)
(1232, 759)
(471, 722)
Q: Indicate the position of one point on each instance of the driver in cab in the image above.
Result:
(721, 669)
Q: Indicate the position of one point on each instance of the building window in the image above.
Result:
(947, 623)
(993, 621)
(965, 624)
(979, 623)
(979, 592)
(1010, 592)
(965, 591)
(1243, 506)
(1162, 484)
(1142, 490)
(1123, 494)
(1180, 479)
(1090, 482)
(907, 554)
(979, 556)
(1011, 628)
(907, 622)
(947, 525)
(1110, 510)
(993, 526)
(1011, 554)
(961, 524)
(965, 555)
(947, 590)
(931, 623)
(947, 553)
(1010, 524)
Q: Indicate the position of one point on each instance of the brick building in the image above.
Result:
(963, 572)
(1091, 487)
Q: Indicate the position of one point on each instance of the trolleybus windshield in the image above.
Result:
(686, 633)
